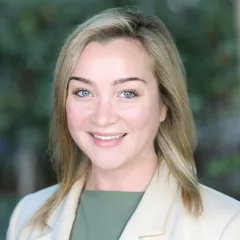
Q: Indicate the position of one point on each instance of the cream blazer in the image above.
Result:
(160, 215)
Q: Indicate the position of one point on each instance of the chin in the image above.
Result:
(108, 165)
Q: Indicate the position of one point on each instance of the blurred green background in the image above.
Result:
(31, 34)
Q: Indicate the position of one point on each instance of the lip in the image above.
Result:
(107, 143)
(107, 134)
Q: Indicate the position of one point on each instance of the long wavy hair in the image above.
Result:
(175, 139)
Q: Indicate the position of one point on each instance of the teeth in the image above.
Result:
(107, 137)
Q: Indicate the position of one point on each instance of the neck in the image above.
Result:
(133, 177)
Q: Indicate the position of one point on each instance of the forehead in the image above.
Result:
(114, 59)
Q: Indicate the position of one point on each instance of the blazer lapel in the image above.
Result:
(150, 217)
(60, 223)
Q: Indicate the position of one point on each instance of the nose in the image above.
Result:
(104, 113)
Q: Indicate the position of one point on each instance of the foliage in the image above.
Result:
(7, 203)
(223, 166)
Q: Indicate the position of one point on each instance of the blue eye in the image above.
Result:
(129, 94)
(83, 93)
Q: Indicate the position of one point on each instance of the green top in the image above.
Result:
(103, 214)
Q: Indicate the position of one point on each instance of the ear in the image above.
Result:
(163, 112)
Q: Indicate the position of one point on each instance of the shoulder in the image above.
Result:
(220, 212)
(38, 198)
(26, 208)
(219, 202)
(35, 200)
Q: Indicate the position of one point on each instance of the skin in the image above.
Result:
(104, 104)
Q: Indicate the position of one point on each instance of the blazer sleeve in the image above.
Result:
(232, 229)
(14, 223)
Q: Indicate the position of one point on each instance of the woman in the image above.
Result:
(122, 139)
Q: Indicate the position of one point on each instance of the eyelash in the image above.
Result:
(132, 91)
(80, 89)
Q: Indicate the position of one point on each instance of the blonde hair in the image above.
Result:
(175, 140)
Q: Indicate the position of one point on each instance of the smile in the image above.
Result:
(107, 138)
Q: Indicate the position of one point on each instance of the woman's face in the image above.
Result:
(113, 105)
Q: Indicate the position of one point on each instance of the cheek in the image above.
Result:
(76, 113)
(144, 117)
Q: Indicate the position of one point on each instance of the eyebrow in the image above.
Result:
(115, 82)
